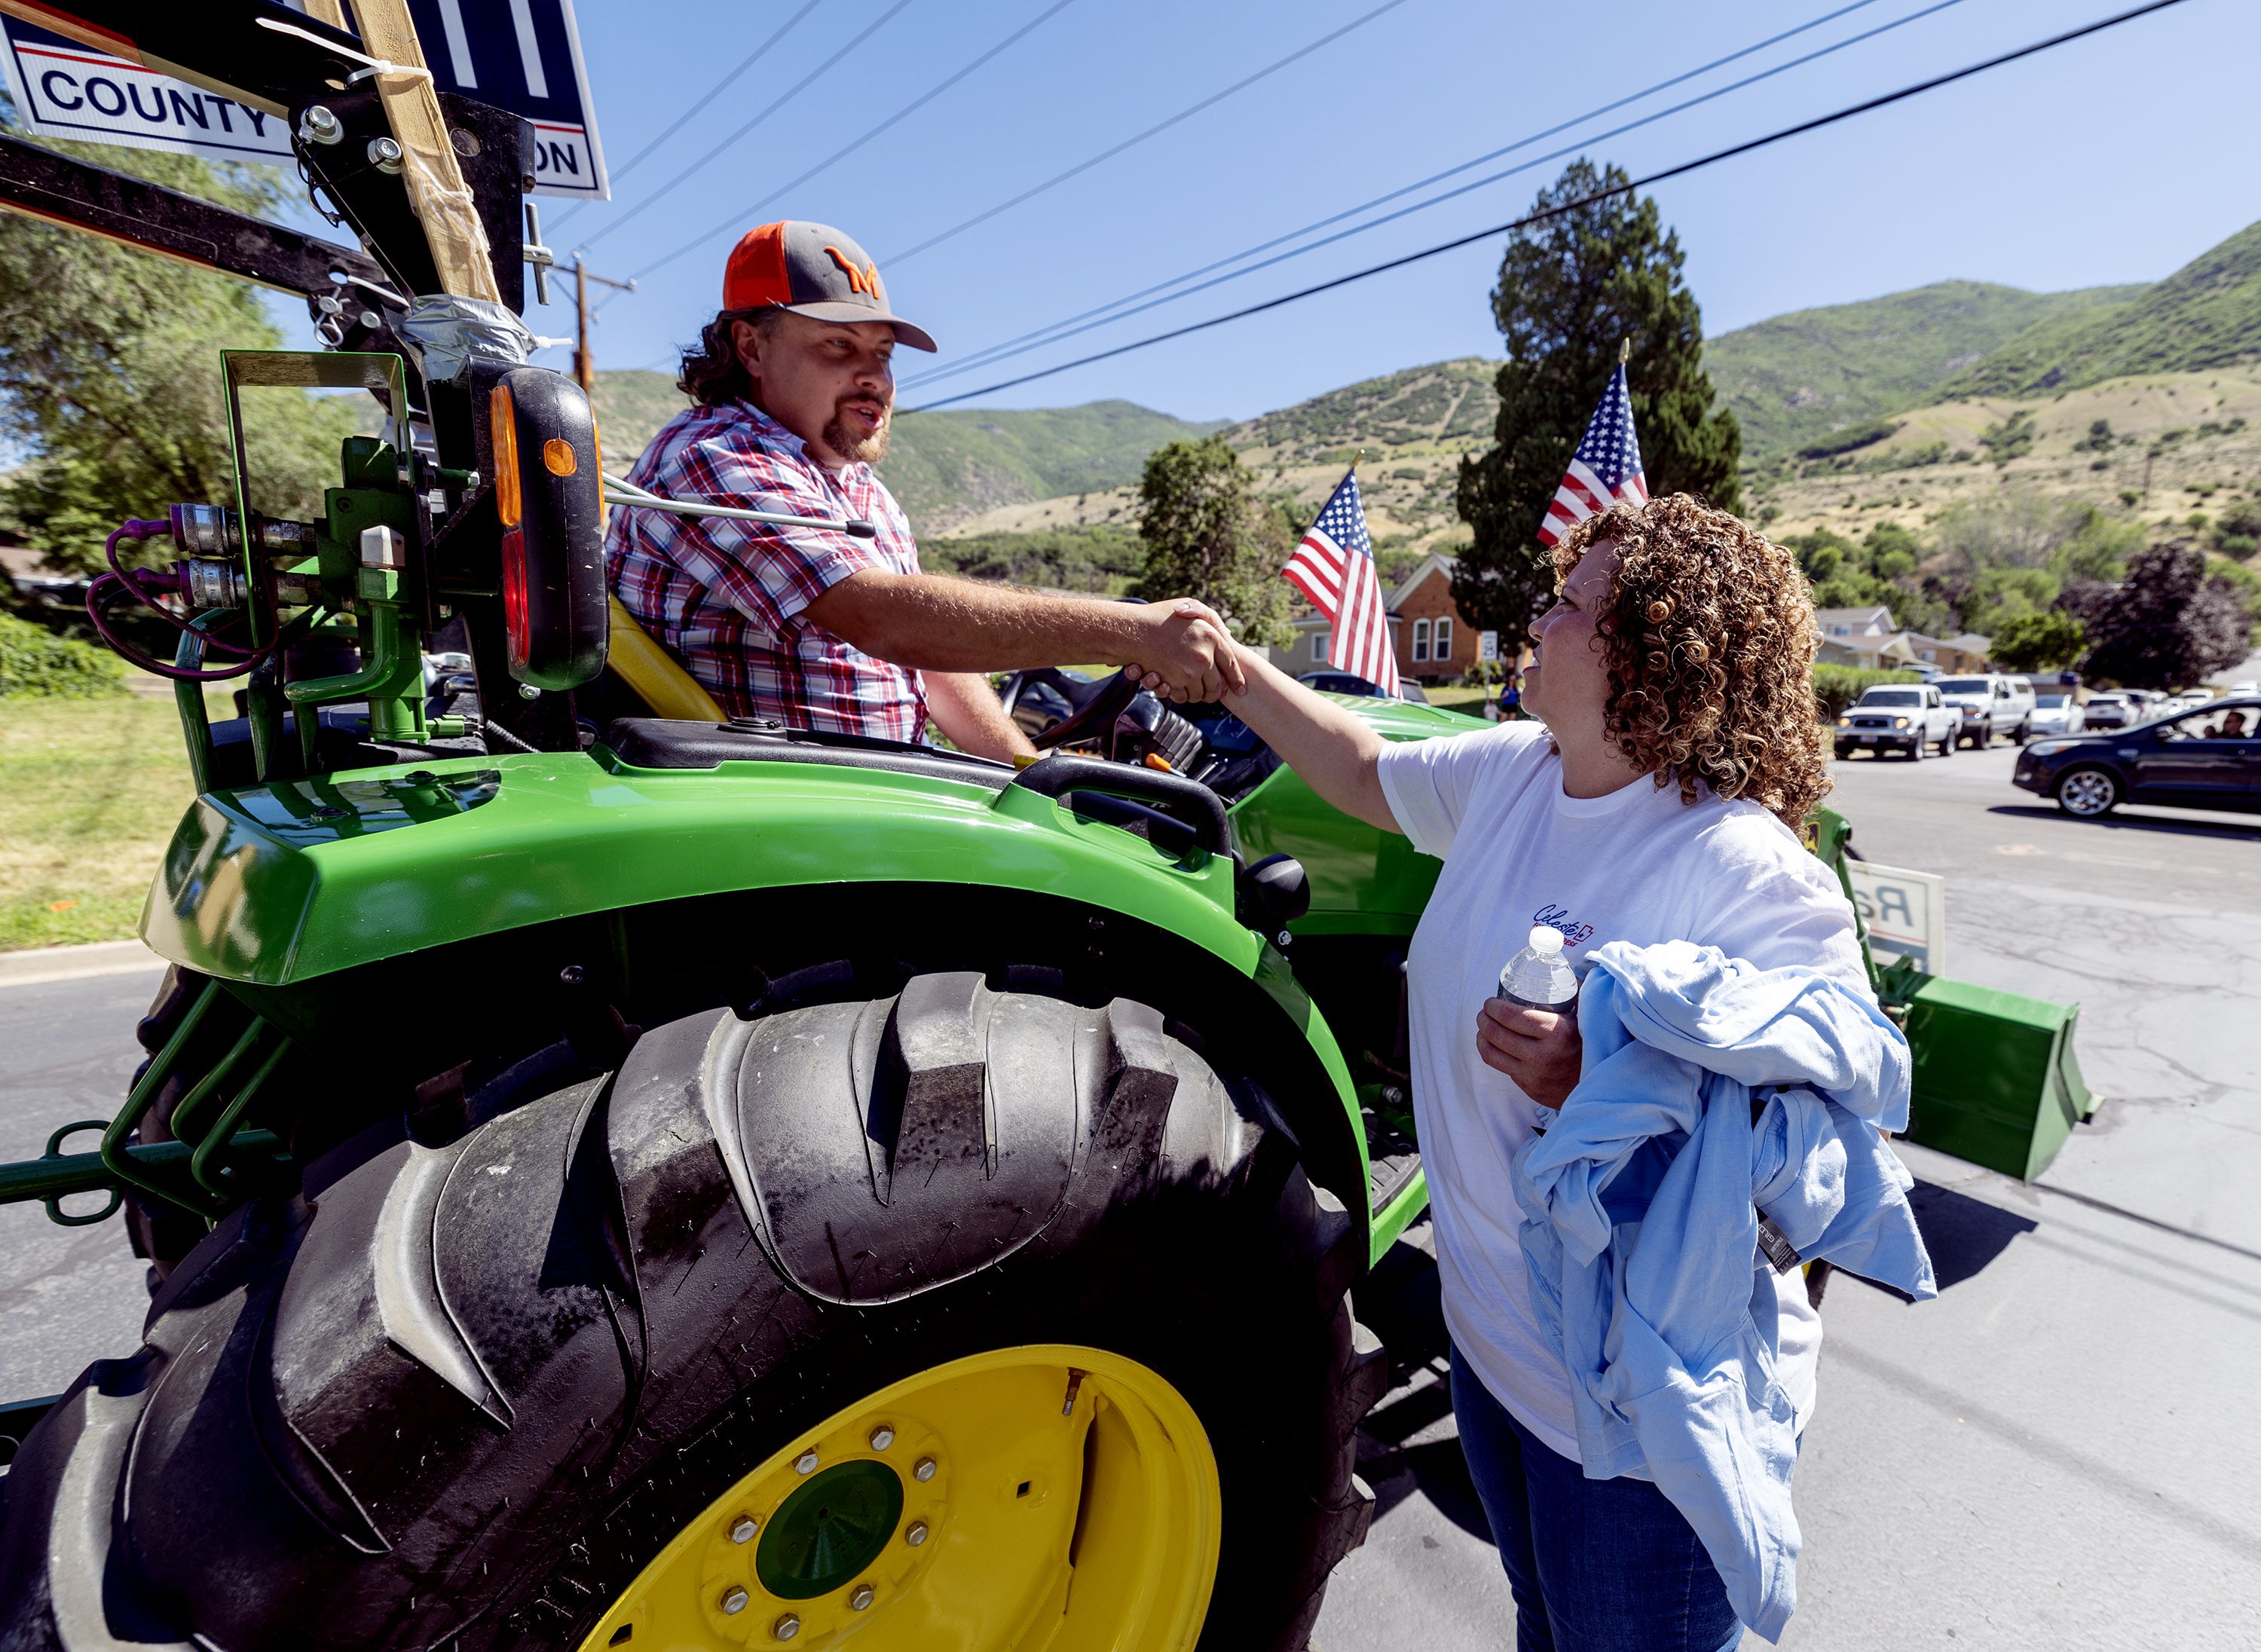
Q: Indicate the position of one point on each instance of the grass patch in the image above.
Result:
(90, 791)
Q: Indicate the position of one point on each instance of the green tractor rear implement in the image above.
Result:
(612, 1175)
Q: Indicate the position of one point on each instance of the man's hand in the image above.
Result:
(1539, 1049)
(1189, 654)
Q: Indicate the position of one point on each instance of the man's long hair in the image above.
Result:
(1709, 638)
(712, 372)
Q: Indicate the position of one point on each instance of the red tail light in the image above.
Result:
(517, 617)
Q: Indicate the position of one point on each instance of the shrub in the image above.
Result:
(1838, 687)
(1846, 440)
(35, 663)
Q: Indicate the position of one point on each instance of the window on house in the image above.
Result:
(1420, 642)
(1841, 630)
(1443, 646)
(1318, 646)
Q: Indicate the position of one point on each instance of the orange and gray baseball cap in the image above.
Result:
(811, 270)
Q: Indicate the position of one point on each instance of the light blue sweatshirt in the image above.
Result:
(1642, 1240)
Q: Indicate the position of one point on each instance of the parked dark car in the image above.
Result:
(2209, 758)
(1344, 683)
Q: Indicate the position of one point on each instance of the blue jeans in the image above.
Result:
(1596, 1565)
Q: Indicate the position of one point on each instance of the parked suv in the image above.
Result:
(1898, 717)
(1990, 705)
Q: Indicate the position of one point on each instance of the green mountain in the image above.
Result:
(1796, 378)
(947, 466)
(1446, 402)
(631, 406)
(2208, 314)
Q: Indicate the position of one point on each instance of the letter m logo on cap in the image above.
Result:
(864, 279)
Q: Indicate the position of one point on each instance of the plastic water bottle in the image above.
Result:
(1537, 977)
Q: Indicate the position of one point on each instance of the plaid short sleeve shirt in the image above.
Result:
(726, 598)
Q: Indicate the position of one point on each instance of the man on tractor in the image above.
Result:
(792, 389)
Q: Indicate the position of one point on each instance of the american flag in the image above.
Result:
(1606, 471)
(1334, 568)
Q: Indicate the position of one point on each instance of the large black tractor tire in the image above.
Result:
(462, 1394)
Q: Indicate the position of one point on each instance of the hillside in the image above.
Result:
(946, 467)
(2206, 315)
(1796, 378)
(2172, 447)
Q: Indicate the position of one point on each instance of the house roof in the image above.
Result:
(1435, 561)
(1861, 618)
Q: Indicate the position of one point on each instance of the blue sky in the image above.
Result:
(2112, 160)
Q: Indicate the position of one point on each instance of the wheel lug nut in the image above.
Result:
(744, 1530)
(862, 1598)
(924, 1470)
(805, 1463)
(787, 1626)
(917, 1535)
(882, 1437)
(734, 1602)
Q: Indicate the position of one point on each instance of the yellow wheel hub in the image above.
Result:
(1046, 1498)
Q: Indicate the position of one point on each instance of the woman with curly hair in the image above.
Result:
(1656, 797)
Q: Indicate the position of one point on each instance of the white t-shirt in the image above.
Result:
(1636, 865)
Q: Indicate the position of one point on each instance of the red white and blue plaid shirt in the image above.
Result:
(726, 598)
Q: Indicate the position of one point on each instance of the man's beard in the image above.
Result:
(858, 450)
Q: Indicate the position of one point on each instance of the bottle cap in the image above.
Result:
(1546, 942)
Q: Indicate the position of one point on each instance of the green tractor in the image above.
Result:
(614, 1176)
(613, 1179)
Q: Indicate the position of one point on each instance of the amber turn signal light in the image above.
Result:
(502, 420)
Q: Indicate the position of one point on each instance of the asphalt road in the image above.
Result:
(2061, 1452)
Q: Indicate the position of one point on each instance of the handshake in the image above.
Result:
(1183, 650)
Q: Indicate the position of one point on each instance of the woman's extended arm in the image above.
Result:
(1333, 751)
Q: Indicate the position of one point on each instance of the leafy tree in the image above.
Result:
(2040, 642)
(109, 374)
(1570, 289)
(1207, 536)
(2168, 624)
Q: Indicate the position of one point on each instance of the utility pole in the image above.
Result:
(544, 259)
(584, 364)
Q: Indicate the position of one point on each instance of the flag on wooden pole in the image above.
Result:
(1334, 567)
(1606, 471)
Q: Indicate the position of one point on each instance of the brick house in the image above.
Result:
(1435, 644)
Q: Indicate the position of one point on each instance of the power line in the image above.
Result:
(1160, 126)
(744, 213)
(1123, 308)
(798, 87)
(1682, 169)
(713, 92)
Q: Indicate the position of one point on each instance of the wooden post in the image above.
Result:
(436, 190)
(584, 368)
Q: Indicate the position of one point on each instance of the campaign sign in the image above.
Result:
(523, 56)
(65, 91)
(1906, 913)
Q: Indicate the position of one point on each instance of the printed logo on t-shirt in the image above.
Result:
(1554, 917)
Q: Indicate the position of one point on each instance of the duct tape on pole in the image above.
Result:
(523, 56)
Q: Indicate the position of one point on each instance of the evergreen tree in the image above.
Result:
(1570, 288)
(1207, 536)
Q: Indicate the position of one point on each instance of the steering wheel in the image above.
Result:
(1093, 718)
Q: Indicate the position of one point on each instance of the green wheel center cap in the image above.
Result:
(824, 1535)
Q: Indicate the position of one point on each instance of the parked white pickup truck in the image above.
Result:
(1900, 717)
(1989, 706)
